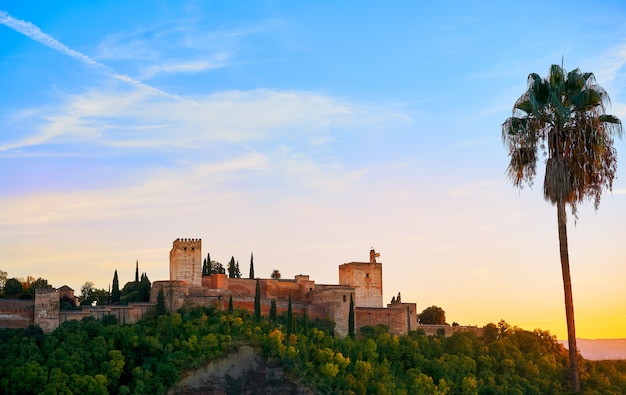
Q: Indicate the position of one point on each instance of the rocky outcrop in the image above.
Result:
(242, 372)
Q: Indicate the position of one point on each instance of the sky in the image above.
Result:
(305, 133)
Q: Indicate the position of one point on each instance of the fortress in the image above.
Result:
(361, 281)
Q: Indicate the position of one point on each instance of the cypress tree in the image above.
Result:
(115, 293)
(251, 266)
(206, 265)
(231, 267)
(144, 288)
(160, 304)
(351, 318)
(230, 304)
(137, 273)
(237, 271)
(273, 310)
(290, 321)
(257, 302)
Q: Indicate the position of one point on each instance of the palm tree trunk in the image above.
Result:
(569, 301)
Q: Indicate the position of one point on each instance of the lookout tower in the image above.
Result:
(186, 261)
(367, 280)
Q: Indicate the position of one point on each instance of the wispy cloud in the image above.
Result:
(30, 30)
(611, 64)
(33, 32)
(196, 66)
(144, 116)
(140, 118)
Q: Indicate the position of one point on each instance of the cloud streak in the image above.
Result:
(33, 32)
(140, 119)
(196, 66)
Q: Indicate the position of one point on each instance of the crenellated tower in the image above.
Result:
(367, 280)
(186, 261)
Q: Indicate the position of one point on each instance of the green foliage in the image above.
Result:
(273, 310)
(562, 116)
(13, 288)
(432, 315)
(206, 265)
(233, 268)
(160, 304)
(290, 318)
(91, 357)
(351, 318)
(89, 294)
(115, 292)
(40, 283)
(251, 274)
(150, 357)
(216, 268)
(257, 302)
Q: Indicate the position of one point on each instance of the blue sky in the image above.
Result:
(305, 133)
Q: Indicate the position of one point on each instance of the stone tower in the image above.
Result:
(47, 309)
(367, 280)
(186, 261)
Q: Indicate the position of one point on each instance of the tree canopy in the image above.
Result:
(432, 315)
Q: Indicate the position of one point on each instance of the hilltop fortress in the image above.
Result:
(187, 287)
(361, 281)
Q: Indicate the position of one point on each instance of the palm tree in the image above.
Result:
(563, 117)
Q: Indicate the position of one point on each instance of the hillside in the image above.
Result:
(205, 349)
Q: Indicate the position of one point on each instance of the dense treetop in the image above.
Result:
(101, 357)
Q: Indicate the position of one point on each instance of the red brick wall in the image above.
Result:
(16, 313)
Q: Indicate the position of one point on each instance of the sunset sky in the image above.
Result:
(306, 133)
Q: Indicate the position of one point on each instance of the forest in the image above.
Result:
(149, 357)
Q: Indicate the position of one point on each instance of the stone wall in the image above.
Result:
(125, 314)
(175, 293)
(449, 330)
(16, 313)
(335, 300)
(399, 317)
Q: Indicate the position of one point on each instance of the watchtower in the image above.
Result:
(367, 280)
(186, 261)
(47, 309)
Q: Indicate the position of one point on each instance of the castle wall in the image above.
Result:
(15, 314)
(242, 287)
(449, 330)
(186, 262)
(367, 279)
(47, 309)
(335, 300)
(299, 289)
(400, 318)
(125, 314)
(174, 292)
